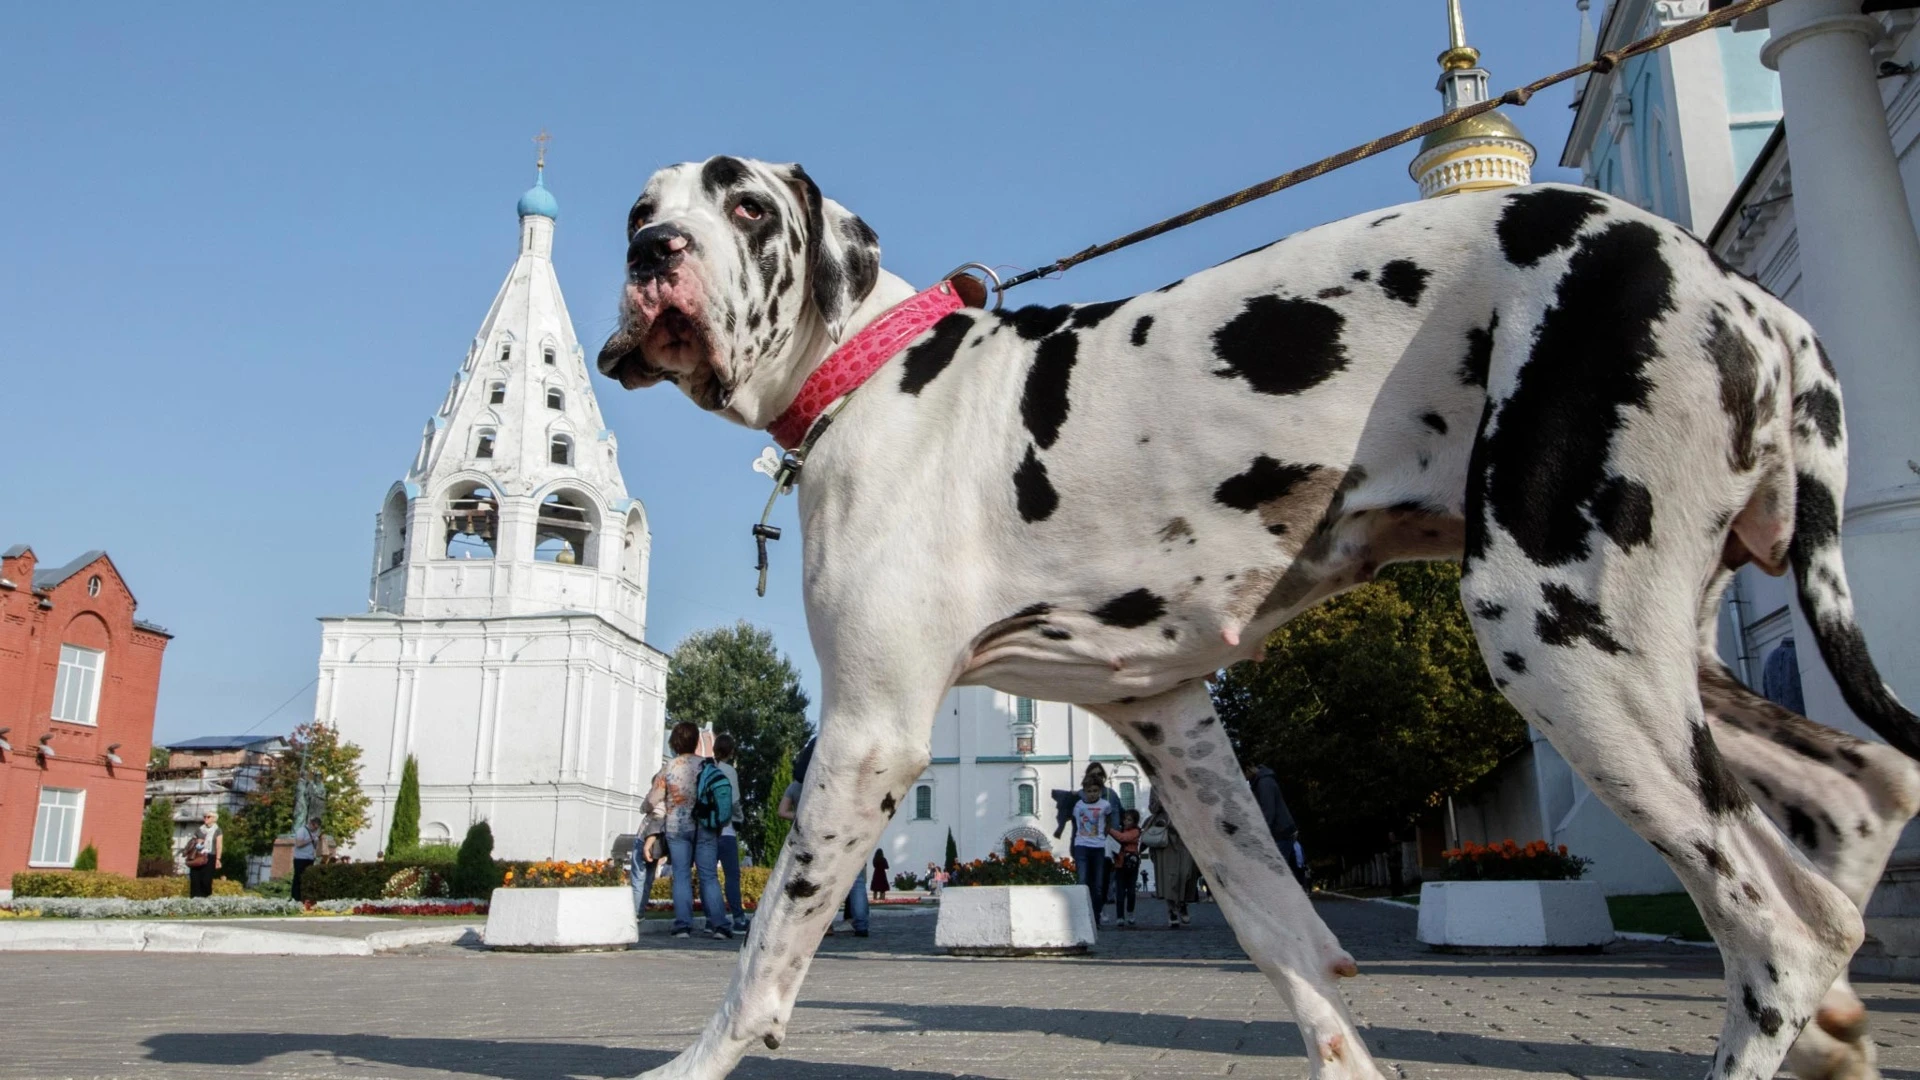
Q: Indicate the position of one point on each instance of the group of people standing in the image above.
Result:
(689, 821)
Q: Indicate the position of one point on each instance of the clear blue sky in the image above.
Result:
(248, 245)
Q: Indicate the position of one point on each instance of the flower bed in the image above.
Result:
(226, 907)
(550, 874)
(753, 882)
(90, 884)
(1023, 864)
(1508, 861)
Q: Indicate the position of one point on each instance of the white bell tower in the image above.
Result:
(504, 643)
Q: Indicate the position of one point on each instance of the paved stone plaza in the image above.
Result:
(1149, 1004)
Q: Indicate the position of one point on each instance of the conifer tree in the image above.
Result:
(773, 827)
(156, 832)
(404, 835)
(953, 853)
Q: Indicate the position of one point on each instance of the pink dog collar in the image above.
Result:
(855, 361)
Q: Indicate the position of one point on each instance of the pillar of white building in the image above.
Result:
(1860, 277)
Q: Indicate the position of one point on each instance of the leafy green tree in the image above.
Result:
(156, 831)
(773, 827)
(334, 762)
(233, 853)
(733, 678)
(474, 872)
(404, 835)
(88, 859)
(1371, 708)
(157, 758)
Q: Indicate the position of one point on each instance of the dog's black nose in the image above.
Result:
(656, 250)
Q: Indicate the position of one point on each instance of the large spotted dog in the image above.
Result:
(1104, 503)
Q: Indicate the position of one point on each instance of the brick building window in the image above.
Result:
(93, 585)
(56, 828)
(76, 690)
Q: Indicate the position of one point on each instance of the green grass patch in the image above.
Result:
(1668, 914)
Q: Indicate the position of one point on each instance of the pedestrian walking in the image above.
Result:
(676, 787)
(205, 849)
(1279, 819)
(1092, 817)
(649, 848)
(724, 749)
(307, 844)
(1175, 872)
(1126, 866)
(880, 868)
(855, 907)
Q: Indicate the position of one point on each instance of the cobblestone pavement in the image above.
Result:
(1150, 1003)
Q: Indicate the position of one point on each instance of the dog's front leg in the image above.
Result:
(1191, 763)
(870, 749)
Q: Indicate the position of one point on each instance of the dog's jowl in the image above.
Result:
(1104, 503)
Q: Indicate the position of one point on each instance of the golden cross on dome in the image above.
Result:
(541, 140)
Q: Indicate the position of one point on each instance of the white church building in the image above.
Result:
(504, 643)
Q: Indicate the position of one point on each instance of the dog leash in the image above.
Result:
(785, 468)
(1518, 96)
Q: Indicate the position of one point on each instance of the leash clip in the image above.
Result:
(998, 290)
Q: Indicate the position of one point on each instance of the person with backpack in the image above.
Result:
(679, 787)
(857, 910)
(724, 749)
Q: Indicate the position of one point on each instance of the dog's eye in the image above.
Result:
(749, 210)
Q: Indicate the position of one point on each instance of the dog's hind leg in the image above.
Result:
(1843, 802)
(1186, 753)
(873, 744)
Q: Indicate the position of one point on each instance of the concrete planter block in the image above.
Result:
(561, 920)
(1014, 920)
(1514, 915)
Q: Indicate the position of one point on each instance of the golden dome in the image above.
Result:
(1488, 125)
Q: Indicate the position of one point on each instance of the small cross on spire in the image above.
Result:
(541, 140)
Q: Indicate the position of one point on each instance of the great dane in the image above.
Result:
(1104, 503)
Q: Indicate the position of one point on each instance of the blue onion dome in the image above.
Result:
(538, 200)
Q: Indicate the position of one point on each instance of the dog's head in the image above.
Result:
(738, 272)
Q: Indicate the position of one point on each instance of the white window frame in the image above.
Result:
(78, 704)
(1032, 809)
(926, 786)
(78, 810)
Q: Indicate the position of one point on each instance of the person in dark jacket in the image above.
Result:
(1273, 808)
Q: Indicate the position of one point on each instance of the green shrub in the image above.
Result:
(88, 859)
(474, 872)
(273, 889)
(442, 855)
(906, 882)
(85, 884)
(366, 880)
(404, 835)
(156, 836)
(233, 849)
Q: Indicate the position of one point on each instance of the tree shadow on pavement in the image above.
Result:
(245, 1052)
(1276, 1039)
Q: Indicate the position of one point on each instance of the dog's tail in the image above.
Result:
(1819, 442)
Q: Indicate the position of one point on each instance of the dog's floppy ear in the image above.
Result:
(843, 254)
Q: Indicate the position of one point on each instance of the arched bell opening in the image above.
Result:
(472, 518)
(564, 530)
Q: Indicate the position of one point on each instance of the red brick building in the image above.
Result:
(79, 677)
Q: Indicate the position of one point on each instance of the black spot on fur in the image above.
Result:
(1800, 827)
(1714, 859)
(886, 805)
(1773, 973)
(1152, 733)
(1363, 275)
(1032, 492)
(1264, 481)
(1767, 1019)
(1405, 281)
(1334, 293)
(1043, 407)
(1281, 346)
(1055, 633)
(1826, 362)
(800, 888)
(1229, 827)
(1087, 316)
(1624, 510)
(1130, 610)
(1720, 790)
(1475, 510)
(721, 173)
(1536, 224)
(1032, 610)
(1379, 221)
(1821, 406)
(1473, 369)
(1739, 369)
(1435, 421)
(1515, 663)
(927, 359)
(1489, 611)
(1573, 620)
(1140, 329)
(1548, 454)
(1169, 633)
(1034, 322)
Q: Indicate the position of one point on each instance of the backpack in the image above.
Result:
(712, 798)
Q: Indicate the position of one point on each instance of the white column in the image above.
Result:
(1860, 264)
